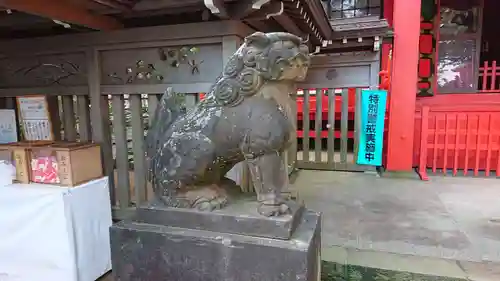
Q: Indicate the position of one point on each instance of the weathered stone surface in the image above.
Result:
(247, 115)
(148, 252)
(200, 228)
(240, 217)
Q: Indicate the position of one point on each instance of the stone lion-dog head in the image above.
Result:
(276, 56)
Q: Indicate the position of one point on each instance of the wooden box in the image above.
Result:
(65, 163)
(18, 155)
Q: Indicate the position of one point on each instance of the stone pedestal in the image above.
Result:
(234, 244)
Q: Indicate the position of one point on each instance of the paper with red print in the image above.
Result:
(45, 169)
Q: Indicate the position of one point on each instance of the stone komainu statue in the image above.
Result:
(245, 116)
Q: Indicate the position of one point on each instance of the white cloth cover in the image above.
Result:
(51, 233)
(236, 173)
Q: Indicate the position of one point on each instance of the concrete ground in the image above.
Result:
(445, 227)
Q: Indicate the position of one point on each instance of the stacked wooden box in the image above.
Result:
(60, 163)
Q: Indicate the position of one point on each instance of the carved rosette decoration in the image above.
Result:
(243, 117)
(233, 66)
(250, 81)
(227, 92)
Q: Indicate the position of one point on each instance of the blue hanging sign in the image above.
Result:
(371, 133)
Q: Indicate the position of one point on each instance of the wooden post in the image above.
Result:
(84, 118)
(139, 149)
(55, 117)
(406, 22)
(100, 117)
(68, 119)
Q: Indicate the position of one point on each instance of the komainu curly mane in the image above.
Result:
(262, 57)
(243, 117)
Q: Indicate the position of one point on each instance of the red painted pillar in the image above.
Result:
(389, 11)
(386, 47)
(406, 22)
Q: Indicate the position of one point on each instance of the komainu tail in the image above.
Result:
(166, 113)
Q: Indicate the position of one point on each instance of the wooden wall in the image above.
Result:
(99, 83)
(107, 84)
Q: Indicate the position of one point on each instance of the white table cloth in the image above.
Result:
(52, 233)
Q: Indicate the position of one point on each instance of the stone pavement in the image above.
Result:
(445, 227)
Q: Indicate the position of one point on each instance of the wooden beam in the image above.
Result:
(262, 26)
(146, 5)
(116, 5)
(287, 23)
(144, 37)
(276, 11)
(63, 10)
(243, 8)
(217, 7)
(268, 10)
(21, 20)
(318, 15)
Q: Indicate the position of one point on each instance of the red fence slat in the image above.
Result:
(454, 140)
(478, 143)
(489, 74)
(490, 144)
(457, 149)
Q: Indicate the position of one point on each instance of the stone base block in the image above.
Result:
(152, 252)
(239, 217)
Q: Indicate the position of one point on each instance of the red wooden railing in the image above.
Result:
(488, 80)
(459, 139)
(312, 111)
